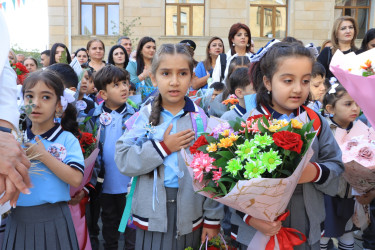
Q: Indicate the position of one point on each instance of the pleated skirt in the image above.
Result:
(47, 226)
(148, 240)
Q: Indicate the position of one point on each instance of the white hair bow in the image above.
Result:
(332, 80)
(262, 51)
(332, 90)
(68, 97)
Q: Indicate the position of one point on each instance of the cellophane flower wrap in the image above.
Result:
(252, 166)
(21, 72)
(358, 151)
(356, 74)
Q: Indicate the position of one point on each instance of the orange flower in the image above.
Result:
(296, 124)
(225, 143)
(367, 65)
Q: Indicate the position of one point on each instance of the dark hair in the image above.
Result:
(237, 62)
(290, 39)
(31, 58)
(270, 62)
(166, 49)
(238, 79)
(109, 74)
(318, 70)
(139, 56)
(67, 74)
(81, 49)
(94, 40)
(46, 52)
(333, 97)
(110, 55)
(53, 53)
(208, 61)
(218, 86)
(53, 81)
(132, 86)
(233, 31)
(369, 36)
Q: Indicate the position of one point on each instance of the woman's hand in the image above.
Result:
(145, 73)
(178, 140)
(77, 198)
(308, 174)
(209, 233)
(268, 228)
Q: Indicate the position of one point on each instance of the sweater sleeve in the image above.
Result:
(213, 213)
(132, 69)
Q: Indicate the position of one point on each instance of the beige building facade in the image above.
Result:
(75, 22)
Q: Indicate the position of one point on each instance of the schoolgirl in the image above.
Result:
(340, 208)
(286, 72)
(42, 218)
(166, 210)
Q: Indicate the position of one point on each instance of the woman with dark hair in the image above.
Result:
(57, 54)
(95, 49)
(204, 69)
(239, 39)
(118, 56)
(82, 55)
(368, 41)
(344, 33)
(31, 64)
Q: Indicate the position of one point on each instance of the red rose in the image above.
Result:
(256, 117)
(288, 140)
(198, 143)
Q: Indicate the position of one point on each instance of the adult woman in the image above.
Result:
(31, 64)
(81, 55)
(204, 69)
(12, 57)
(239, 39)
(118, 56)
(59, 54)
(140, 70)
(344, 33)
(368, 41)
(95, 49)
(326, 43)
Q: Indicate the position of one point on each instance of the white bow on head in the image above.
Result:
(332, 90)
(68, 97)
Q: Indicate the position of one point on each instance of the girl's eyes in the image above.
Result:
(164, 73)
(28, 96)
(46, 97)
(306, 81)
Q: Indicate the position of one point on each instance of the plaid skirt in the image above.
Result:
(48, 226)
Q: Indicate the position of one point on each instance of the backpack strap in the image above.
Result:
(313, 116)
(223, 64)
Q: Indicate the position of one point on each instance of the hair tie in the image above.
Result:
(68, 97)
(262, 51)
(332, 90)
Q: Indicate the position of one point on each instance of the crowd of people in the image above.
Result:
(140, 105)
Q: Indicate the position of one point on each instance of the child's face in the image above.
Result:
(216, 93)
(173, 79)
(84, 83)
(91, 86)
(345, 111)
(115, 94)
(290, 84)
(317, 88)
(131, 92)
(45, 104)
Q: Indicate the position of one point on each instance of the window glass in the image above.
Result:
(281, 19)
(184, 21)
(269, 2)
(100, 1)
(99, 21)
(86, 19)
(352, 2)
(171, 20)
(113, 19)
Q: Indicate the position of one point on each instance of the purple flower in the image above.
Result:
(366, 153)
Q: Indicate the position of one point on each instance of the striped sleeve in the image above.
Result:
(322, 173)
(77, 166)
(245, 217)
(161, 148)
(211, 223)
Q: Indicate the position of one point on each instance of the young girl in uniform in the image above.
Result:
(339, 208)
(286, 70)
(166, 210)
(42, 218)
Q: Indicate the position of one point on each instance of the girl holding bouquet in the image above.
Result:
(340, 208)
(166, 210)
(42, 218)
(284, 88)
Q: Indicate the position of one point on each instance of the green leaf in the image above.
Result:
(309, 125)
(265, 121)
(226, 154)
(286, 172)
(226, 179)
(221, 162)
(208, 189)
(261, 128)
(210, 139)
(223, 188)
(203, 149)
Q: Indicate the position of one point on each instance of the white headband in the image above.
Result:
(68, 97)
(332, 90)
(262, 51)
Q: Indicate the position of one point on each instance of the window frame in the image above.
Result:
(274, 17)
(94, 5)
(184, 5)
(368, 7)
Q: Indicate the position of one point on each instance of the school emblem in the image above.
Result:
(105, 119)
(58, 151)
(81, 105)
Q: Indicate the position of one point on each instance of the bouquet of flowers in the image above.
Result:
(231, 101)
(356, 74)
(252, 166)
(21, 72)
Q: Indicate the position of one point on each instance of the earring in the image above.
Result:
(233, 45)
(268, 92)
(247, 45)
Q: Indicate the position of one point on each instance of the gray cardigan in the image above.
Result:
(328, 155)
(193, 210)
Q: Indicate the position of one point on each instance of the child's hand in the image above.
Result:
(35, 150)
(366, 198)
(209, 232)
(268, 228)
(77, 198)
(179, 140)
(308, 174)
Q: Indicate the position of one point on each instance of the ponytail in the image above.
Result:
(155, 111)
(69, 120)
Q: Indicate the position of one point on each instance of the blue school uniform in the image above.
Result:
(232, 114)
(200, 71)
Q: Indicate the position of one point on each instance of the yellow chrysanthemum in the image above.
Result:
(212, 147)
(233, 137)
(282, 123)
(225, 143)
(274, 128)
(225, 133)
(296, 124)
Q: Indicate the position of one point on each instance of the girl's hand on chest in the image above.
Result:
(35, 150)
(177, 141)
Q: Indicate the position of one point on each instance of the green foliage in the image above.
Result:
(127, 29)
(32, 53)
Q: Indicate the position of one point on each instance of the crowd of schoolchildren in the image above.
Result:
(140, 139)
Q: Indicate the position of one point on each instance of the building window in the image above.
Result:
(268, 18)
(184, 17)
(358, 9)
(99, 17)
